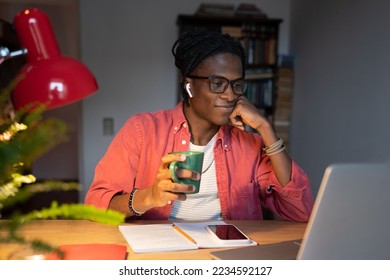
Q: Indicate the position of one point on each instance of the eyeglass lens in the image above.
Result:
(220, 84)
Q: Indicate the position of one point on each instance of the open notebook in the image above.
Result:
(173, 237)
(350, 219)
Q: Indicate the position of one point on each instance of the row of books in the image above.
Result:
(250, 30)
(261, 94)
(260, 46)
(260, 51)
(259, 42)
(259, 73)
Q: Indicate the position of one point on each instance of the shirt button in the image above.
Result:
(184, 125)
(226, 146)
(183, 142)
(175, 127)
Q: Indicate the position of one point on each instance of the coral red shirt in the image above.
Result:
(245, 178)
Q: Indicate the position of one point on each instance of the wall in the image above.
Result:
(127, 45)
(340, 107)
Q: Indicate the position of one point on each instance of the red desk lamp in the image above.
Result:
(47, 77)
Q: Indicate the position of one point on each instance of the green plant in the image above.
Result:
(24, 136)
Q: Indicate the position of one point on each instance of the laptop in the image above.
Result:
(350, 219)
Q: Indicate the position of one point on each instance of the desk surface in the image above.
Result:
(58, 232)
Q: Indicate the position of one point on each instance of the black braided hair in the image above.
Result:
(191, 48)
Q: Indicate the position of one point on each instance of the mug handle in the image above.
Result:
(172, 170)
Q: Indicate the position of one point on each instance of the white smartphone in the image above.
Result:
(228, 234)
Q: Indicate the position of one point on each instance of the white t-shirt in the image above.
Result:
(204, 205)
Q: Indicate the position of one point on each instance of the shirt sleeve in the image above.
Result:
(294, 201)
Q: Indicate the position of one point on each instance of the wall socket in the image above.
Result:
(108, 126)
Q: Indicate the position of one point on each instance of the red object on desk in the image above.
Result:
(90, 252)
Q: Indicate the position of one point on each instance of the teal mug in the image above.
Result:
(194, 162)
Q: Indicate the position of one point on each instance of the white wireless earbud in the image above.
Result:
(188, 90)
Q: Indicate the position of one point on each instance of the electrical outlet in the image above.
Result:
(108, 126)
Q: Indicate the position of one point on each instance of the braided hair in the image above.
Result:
(191, 48)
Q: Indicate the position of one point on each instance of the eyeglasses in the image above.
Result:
(219, 84)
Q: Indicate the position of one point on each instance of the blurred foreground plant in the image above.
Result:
(24, 136)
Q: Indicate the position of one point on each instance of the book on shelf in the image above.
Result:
(258, 73)
(250, 49)
(215, 9)
(282, 114)
(270, 51)
(284, 90)
(285, 72)
(283, 105)
(173, 237)
(282, 124)
(284, 82)
(260, 93)
(283, 98)
(259, 51)
(260, 43)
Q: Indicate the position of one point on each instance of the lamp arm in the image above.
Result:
(5, 53)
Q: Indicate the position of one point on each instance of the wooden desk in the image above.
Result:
(58, 232)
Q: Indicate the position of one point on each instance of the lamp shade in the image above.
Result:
(47, 77)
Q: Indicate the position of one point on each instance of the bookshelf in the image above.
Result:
(259, 37)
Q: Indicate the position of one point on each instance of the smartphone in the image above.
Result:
(228, 234)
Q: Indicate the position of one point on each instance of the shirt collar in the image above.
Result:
(224, 136)
(179, 120)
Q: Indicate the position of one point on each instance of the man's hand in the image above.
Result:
(245, 113)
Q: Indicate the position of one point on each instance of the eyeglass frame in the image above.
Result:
(229, 82)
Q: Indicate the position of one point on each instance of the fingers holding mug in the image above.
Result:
(187, 172)
(177, 192)
(167, 190)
